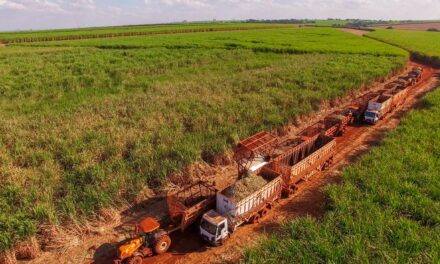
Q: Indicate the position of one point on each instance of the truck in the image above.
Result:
(393, 85)
(404, 81)
(408, 80)
(236, 206)
(280, 175)
(378, 108)
(360, 105)
(416, 73)
(383, 104)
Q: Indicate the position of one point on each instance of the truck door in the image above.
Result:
(222, 231)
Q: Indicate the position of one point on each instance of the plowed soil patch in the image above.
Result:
(419, 26)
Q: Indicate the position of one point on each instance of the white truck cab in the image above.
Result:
(371, 116)
(214, 228)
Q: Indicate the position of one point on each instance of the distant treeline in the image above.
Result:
(281, 21)
(333, 22)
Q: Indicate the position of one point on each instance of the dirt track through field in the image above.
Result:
(309, 200)
(358, 32)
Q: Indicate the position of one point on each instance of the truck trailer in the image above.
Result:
(280, 176)
(236, 206)
(378, 108)
(301, 162)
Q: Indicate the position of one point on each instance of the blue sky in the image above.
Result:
(46, 14)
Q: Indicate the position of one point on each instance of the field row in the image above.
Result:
(108, 32)
(424, 46)
(289, 41)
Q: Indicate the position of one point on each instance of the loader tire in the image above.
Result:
(135, 260)
(162, 245)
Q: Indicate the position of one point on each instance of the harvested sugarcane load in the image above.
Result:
(249, 184)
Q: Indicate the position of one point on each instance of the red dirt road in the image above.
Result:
(309, 200)
(358, 32)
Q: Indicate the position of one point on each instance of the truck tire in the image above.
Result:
(255, 219)
(135, 260)
(162, 245)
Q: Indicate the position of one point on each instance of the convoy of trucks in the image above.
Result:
(269, 168)
(395, 95)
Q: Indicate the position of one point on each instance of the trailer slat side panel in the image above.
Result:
(241, 211)
(310, 162)
(186, 205)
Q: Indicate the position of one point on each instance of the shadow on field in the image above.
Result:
(182, 242)
(104, 254)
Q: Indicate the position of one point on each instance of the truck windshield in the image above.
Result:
(208, 227)
(370, 115)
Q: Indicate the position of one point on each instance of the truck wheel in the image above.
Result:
(135, 260)
(255, 219)
(162, 244)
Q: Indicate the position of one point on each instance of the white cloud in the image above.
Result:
(25, 14)
(188, 3)
(7, 4)
(58, 6)
(85, 4)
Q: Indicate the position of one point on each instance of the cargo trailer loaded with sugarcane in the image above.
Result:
(251, 197)
(269, 168)
(383, 104)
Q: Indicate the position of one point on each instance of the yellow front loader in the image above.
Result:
(148, 240)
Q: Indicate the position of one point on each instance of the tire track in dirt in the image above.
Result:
(358, 32)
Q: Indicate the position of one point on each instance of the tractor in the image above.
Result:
(148, 239)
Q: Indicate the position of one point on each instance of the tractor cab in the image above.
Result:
(214, 228)
(146, 227)
(146, 230)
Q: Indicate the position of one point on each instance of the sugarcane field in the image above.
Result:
(144, 132)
